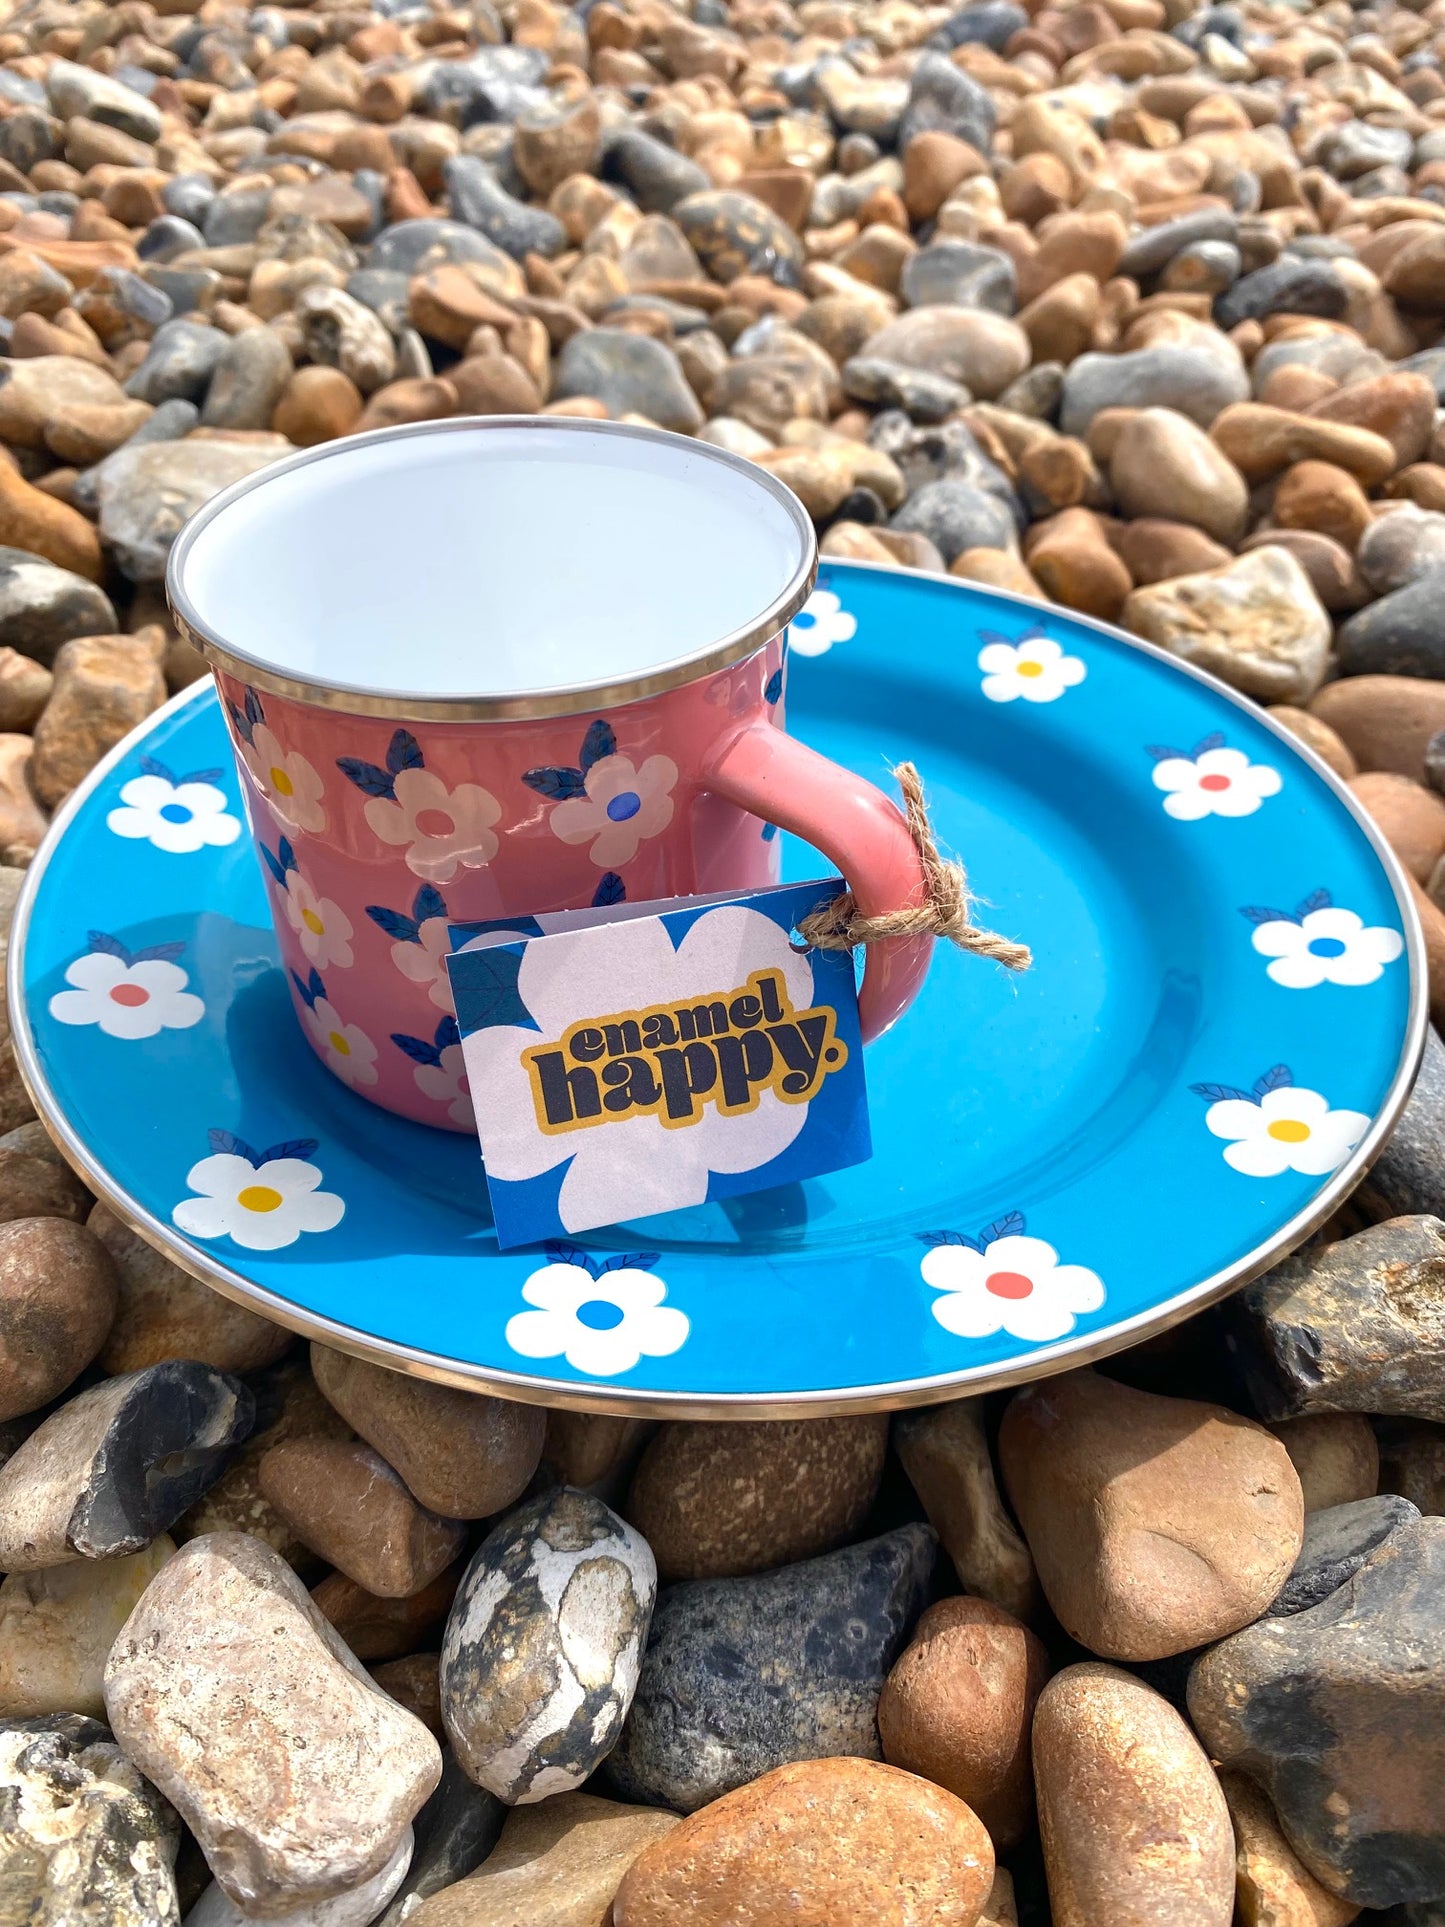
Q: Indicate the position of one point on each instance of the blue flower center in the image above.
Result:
(1326, 947)
(803, 620)
(623, 806)
(599, 1315)
(175, 813)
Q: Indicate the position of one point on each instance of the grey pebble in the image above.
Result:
(1337, 1543)
(180, 361)
(963, 272)
(479, 199)
(955, 516)
(42, 606)
(630, 373)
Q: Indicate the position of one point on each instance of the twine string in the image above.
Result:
(946, 909)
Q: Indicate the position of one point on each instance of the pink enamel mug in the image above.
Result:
(499, 666)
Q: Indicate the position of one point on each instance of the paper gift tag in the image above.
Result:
(645, 1057)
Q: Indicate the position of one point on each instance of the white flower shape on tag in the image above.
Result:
(1034, 668)
(820, 623)
(284, 777)
(1315, 943)
(127, 993)
(322, 927)
(601, 1316)
(1003, 1280)
(1278, 1127)
(607, 801)
(345, 1048)
(261, 1200)
(443, 830)
(1211, 780)
(636, 1165)
(176, 814)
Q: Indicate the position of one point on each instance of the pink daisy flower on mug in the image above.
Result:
(444, 830)
(608, 801)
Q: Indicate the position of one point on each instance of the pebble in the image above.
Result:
(631, 374)
(460, 1454)
(1398, 548)
(1317, 736)
(1385, 721)
(1194, 380)
(961, 273)
(1354, 1326)
(454, 1832)
(104, 686)
(983, 352)
(1261, 441)
(728, 1691)
(735, 234)
(347, 1504)
(944, 1451)
(720, 1501)
(1337, 1543)
(248, 381)
(1357, 1791)
(816, 1843)
(42, 606)
(358, 1907)
(295, 1773)
(955, 516)
(1396, 636)
(57, 1627)
(148, 492)
(32, 521)
(1255, 622)
(118, 1464)
(1133, 1820)
(1163, 464)
(1274, 1888)
(1412, 1462)
(543, 1646)
(1284, 287)
(1408, 1177)
(1335, 1454)
(1157, 1524)
(958, 1709)
(35, 1181)
(86, 1842)
(1410, 817)
(57, 1299)
(555, 1865)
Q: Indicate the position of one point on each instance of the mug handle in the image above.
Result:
(774, 776)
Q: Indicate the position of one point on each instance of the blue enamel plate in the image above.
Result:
(1222, 1022)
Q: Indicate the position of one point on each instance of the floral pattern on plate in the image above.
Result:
(820, 623)
(322, 927)
(441, 1072)
(607, 801)
(1278, 1126)
(601, 1315)
(1316, 943)
(444, 830)
(1004, 1280)
(1211, 779)
(259, 1199)
(1034, 668)
(284, 777)
(346, 1048)
(176, 814)
(128, 994)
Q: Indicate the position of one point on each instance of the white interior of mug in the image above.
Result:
(492, 559)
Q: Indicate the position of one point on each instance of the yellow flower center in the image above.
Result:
(259, 1197)
(339, 1044)
(313, 923)
(281, 782)
(1289, 1130)
(1031, 669)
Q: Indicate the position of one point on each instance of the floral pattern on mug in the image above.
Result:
(322, 927)
(820, 623)
(176, 814)
(441, 1072)
(1315, 943)
(1278, 1127)
(1034, 668)
(1003, 1280)
(261, 1200)
(125, 993)
(602, 1316)
(1211, 780)
(443, 830)
(284, 777)
(607, 801)
(420, 944)
(345, 1048)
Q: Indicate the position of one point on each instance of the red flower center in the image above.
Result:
(131, 995)
(435, 823)
(1008, 1284)
(1214, 782)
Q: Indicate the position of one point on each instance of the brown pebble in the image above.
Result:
(1155, 550)
(1073, 563)
(31, 519)
(319, 404)
(944, 1451)
(1322, 497)
(25, 687)
(58, 1293)
(958, 1708)
(413, 1682)
(1399, 405)
(999, 569)
(1384, 721)
(416, 399)
(346, 1503)
(378, 1628)
(1316, 735)
(1336, 1455)
(1409, 817)
(1273, 1886)
(494, 385)
(1330, 568)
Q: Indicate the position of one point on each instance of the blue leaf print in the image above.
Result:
(1259, 913)
(1163, 753)
(1010, 1225)
(401, 929)
(417, 1048)
(556, 783)
(934, 1238)
(366, 776)
(242, 725)
(291, 1147)
(109, 946)
(610, 890)
(197, 776)
(404, 753)
(254, 712)
(227, 1144)
(770, 830)
(1316, 900)
(774, 687)
(287, 855)
(429, 903)
(1278, 1079)
(1218, 1093)
(597, 743)
(1214, 740)
(565, 1254)
(158, 953)
(492, 996)
(628, 1261)
(447, 1034)
(311, 989)
(150, 767)
(273, 864)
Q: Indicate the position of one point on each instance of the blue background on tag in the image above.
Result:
(834, 1136)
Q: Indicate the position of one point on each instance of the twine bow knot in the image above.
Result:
(946, 909)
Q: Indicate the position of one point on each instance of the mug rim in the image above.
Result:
(572, 699)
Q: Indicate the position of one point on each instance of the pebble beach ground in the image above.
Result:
(1130, 306)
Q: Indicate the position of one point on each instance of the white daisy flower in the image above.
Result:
(425, 961)
(607, 800)
(127, 994)
(1215, 781)
(443, 830)
(441, 1072)
(820, 623)
(1324, 945)
(1009, 1283)
(1034, 668)
(177, 815)
(1281, 1127)
(287, 781)
(322, 927)
(344, 1048)
(601, 1321)
(261, 1201)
